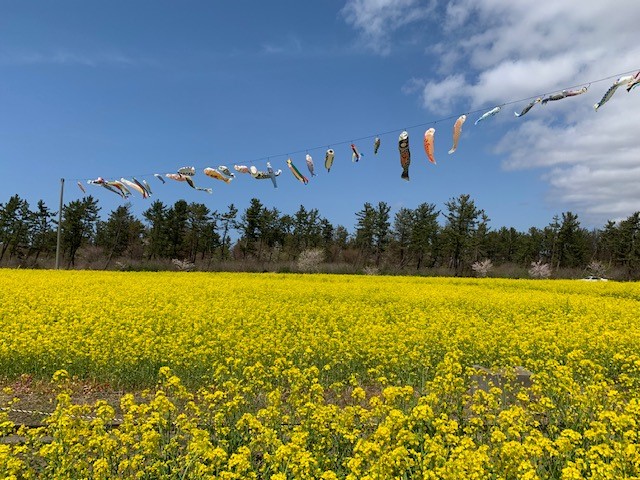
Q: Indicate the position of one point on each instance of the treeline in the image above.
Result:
(423, 240)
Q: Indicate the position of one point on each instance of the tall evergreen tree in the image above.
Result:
(424, 234)
(462, 222)
(365, 231)
(403, 222)
(157, 231)
(200, 230)
(228, 223)
(119, 233)
(628, 244)
(42, 233)
(78, 225)
(249, 227)
(15, 218)
(177, 218)
(381, 230)
(572, 244)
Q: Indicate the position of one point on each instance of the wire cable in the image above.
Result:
(397, 130)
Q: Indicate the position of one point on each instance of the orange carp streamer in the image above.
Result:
(428, 144)
(457, 131)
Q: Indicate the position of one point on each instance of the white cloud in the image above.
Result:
(378, 20)
(438, 96)
(509, 50)
(65, 57)
(495, 51)
(290, 45)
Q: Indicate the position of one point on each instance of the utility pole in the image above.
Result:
(59, 224)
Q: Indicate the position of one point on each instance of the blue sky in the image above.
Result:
(122, 89)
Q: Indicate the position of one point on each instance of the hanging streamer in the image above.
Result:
(241, 168)
(457, 131)
(120, 187)
(147, 186)
(490, 113)
(273, 174)
(633, 82)
(328, 159)
(146, 193)
(528, 107)
(180, 177)
(81, 188)
(376, 145)
(310, 166)
(225, 171)
(135, 186)
(356, 155)
(612, 89)
(261, 175)
(213, 173)
(189, 171)
(428, 144)
(563, 94)
(296, 172)
(159, 177)
(405, 154)
(115, 186)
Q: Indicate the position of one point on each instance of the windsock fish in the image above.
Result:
(356, 156)
(135, 186)
(159, 177)
(97, 181)
(179, 177)
(225, 171)
(141, 185)
(213, 173)
(81, 188)
(147, 186)
(109, 186)
(258, 174)
(488, 114)
(296, 172)
(273, 174)
(528, 107)
(457, 131)
(241, 168)
(120, 186)
(376, 145)
(112, 188)
(563, 94)
(405, 154)
(328, 159)
(262, 175)
(633, 82)
(190, 171)
(612, 89)
(310, 165)
(428, 144)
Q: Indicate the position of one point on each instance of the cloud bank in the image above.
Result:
(492, 51)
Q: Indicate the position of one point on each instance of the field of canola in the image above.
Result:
(288, 376)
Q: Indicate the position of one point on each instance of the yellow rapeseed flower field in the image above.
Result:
(324, 376)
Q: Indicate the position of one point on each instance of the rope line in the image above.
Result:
(397, 130)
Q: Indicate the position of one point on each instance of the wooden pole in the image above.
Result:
(59, 224)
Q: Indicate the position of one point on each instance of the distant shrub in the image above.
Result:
(540, 270)
(371, 270)
(310, 260)
(482, 268)
(183, 265)
(597, 269)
